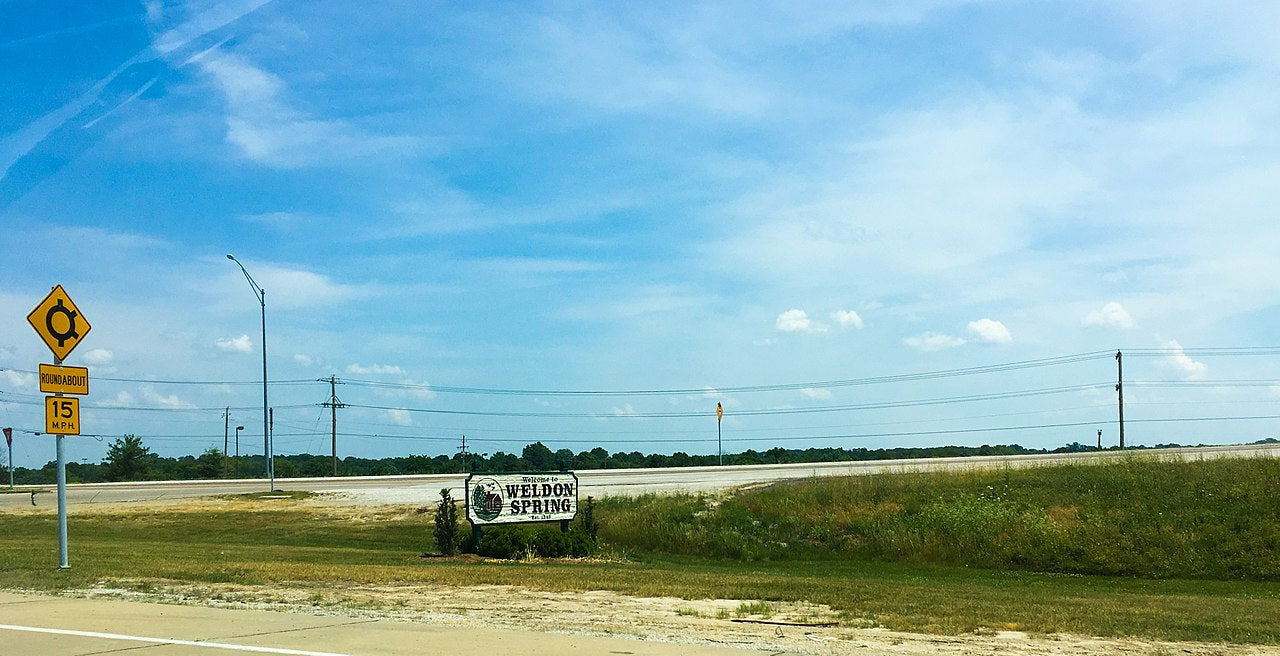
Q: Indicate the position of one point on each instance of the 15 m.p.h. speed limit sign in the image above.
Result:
(62, 415)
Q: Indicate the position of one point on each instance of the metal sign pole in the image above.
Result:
(62, 495)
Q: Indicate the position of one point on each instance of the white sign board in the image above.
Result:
(509, 498)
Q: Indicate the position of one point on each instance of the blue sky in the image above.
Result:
(665, 196)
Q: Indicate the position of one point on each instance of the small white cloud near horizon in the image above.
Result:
(1189, 368)
(797, 321)
(625, 411)
(1111, 315)
(302, 359)
(930, 342)
(418, 389)
(239, 344)
(816, 393)
(123, 399)
(99, 357)
(375, 369)
(170, 401)
(400, 417)
(990, 331)
(847, 319)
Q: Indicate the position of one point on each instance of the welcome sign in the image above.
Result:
(510, 498)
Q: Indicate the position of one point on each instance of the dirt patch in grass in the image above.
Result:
(682, 621)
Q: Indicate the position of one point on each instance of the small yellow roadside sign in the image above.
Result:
(63, 380)
(62, 415)
(59, 323)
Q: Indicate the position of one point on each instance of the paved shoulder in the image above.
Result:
(32, 624)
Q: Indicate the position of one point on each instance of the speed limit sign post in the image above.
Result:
(61, 326)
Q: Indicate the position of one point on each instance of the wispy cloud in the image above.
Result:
(266, 130)
(1190, 369)
(816, 393)
(930, 342)
(375, 370)
(399, 417)
(99, 357)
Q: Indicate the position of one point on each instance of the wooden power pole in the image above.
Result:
(1120, 393)
(333, 404)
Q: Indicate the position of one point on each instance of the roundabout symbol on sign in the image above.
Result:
(70, 332)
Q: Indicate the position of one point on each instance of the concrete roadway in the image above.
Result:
(59, 626)
(425, 489)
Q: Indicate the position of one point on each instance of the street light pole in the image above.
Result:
(261, 295)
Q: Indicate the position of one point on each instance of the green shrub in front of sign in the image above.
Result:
(587, 520)
(515, 542)
(446, 529)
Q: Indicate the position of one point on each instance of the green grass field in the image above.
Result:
(795, 542)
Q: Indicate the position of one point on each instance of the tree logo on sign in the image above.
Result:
(486, 499)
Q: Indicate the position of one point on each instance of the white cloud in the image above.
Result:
(990, 331)
(1111, 315)
(847, 319)
(287, 288)
(239, 344)
(18, 379)
(302, 359)
(375, 370)
(930, 342)
(98, 357)
(170, 401)
(122, 399)
(399, 417)
(625, 411)
(1179, 360)
(816, 394)
(797, 321)
(418, 389)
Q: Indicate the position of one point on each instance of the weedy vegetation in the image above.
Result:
(1213, 519)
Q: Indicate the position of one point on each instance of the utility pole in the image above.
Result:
(333, 404)
(462, 452)
(1120, 393)
(226, 430)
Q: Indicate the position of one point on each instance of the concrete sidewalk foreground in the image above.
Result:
(64, 622)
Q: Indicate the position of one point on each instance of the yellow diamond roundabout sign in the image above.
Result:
(59, 323)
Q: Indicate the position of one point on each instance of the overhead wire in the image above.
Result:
(741, 413)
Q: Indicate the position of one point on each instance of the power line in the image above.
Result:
(946, 373)
(766, 411)
(797, 438)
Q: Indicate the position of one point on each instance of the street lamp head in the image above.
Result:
(239, 427)
(231, 257)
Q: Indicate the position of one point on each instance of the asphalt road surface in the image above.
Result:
(425, 488)
(60, 626)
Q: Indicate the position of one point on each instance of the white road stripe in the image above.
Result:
(170, 641)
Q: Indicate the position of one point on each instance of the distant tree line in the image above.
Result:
(129, 460)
